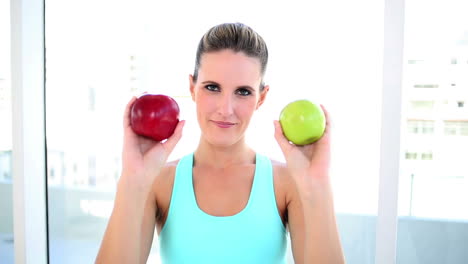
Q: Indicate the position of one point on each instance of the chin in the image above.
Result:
(225, 140)
(223, 143)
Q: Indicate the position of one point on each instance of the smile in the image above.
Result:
(222, 124)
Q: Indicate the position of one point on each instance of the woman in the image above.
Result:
(223, 203)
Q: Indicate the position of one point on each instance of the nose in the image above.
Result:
(226, 106)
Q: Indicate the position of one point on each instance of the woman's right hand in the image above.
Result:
(142, 157)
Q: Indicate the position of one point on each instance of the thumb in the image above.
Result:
(171, 142)
(283, 142)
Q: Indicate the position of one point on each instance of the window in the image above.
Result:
(420, 126)
(425, 216)
(138, 53)
(464, 129)
(426, 86)
(450, 128)
(411, 155)
(427, 127)
(415, 61)
(434, 179)
(426, 156)
(413, 126)
(453, 128)
(422, 105)
(418, 155)
(6, 177)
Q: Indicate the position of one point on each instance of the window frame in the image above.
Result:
(391, 130)
(29, 144)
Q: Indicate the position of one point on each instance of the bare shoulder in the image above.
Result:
(165, 177)
(280, 171)
(162, 186)
(283, 181)
(280, 167)
(171, 164)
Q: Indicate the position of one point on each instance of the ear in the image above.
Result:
(263, 95)
(192, 87)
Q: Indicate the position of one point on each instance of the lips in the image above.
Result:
(222, 124)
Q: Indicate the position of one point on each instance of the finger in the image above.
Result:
(127, 112)
(328, 121)
(281, 139)
(325, 112)
(130, 138)
(172, 140)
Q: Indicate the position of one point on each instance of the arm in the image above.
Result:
(322, 238)
(124, 240)
(312, 221)
(130, 228)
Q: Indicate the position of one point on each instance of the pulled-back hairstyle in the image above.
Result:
(236, 37)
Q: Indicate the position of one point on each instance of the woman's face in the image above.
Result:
(226, 95)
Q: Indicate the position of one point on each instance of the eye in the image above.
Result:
(243, 92)
(212, 87)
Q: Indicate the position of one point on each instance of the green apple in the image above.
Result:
(303, 122)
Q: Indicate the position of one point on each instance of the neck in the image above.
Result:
(210, 155)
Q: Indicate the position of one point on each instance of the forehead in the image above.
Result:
(229, 66)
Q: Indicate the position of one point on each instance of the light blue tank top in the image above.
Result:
(254, 235)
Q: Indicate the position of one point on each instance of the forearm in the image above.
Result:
(322, 242)
(121, 242)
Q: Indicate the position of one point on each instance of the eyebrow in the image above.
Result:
(238, 87)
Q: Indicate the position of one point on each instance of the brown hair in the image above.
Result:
(234, 36)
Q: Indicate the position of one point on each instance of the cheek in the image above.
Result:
(246, 108)
(205, 103)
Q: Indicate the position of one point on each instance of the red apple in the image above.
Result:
(154, 116)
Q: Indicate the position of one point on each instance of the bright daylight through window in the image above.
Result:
(95, 65)
(101, 53)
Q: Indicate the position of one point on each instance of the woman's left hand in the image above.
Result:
(309, 165)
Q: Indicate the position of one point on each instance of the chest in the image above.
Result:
(215, 214)
(223, 192)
